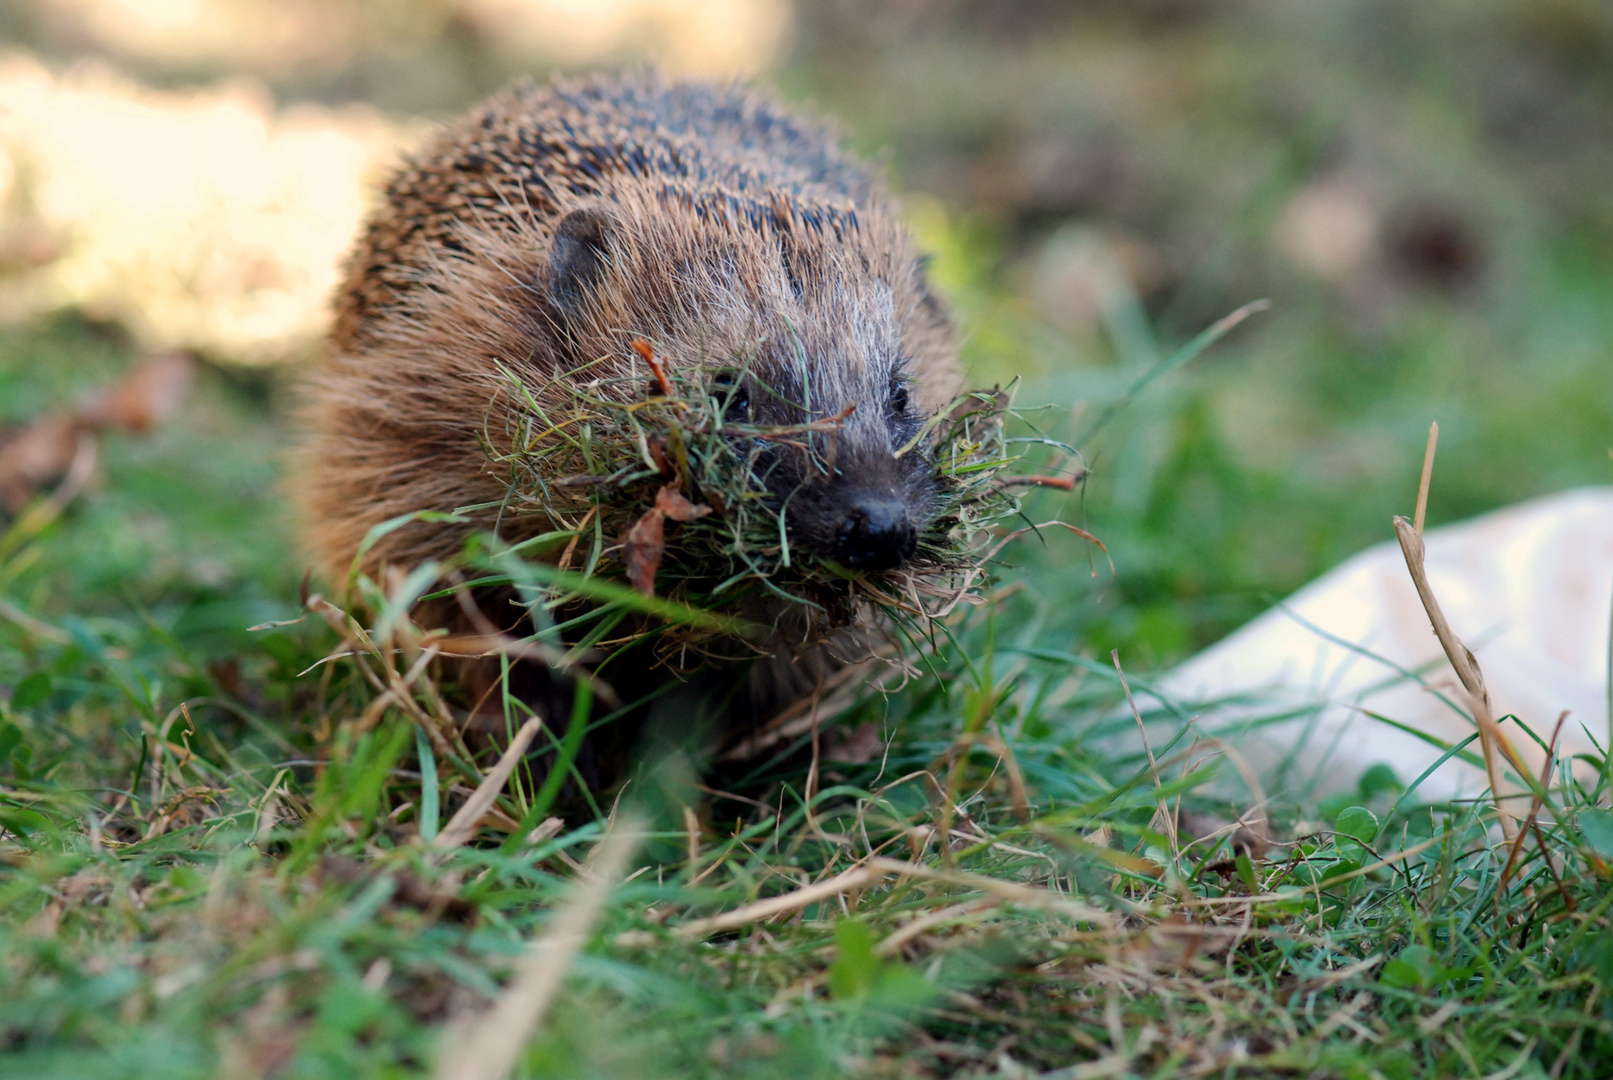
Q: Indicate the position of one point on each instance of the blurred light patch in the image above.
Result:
(280, 38)
(701, 37)
(1080, 278)
(270, 37)
(1331, 229)
(202, 220)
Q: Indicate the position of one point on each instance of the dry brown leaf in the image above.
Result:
(645, 540)
(670, 501)
(644, 544)
(42, 451)
(147, 396)
(35, 456)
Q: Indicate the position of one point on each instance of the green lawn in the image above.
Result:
(255, 900)
(211, 853)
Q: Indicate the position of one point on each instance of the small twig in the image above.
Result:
(798, 717)
(1018, 796)
(546, 829)
(812, 770)
(1011, 891)
(691, 831)
(496, 644)
(571, 547)
(892, 944)
(781, 432)
(1491, 740)
(1341, 1016)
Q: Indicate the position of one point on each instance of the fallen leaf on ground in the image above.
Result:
(40, 452)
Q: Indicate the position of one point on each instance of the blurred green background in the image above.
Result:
(1422, 191)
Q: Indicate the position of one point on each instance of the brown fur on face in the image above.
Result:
(553, 226)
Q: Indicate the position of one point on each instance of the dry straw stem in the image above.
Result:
(1010, 891)
(892, 943)
(490, 1047)
(463, 825)
(1165, 816)
(870, 873)
(1466, 665)
(858, 877)
(839, 692)
(1531, 821)
(37, 627)
(1427, 478)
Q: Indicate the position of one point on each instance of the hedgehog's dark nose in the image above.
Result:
(875, 534)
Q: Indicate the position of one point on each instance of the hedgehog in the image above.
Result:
(554, 231)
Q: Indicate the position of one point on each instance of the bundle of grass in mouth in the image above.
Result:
(661, 480)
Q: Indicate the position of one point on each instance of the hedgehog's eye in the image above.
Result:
(898, 399)
(731, 395)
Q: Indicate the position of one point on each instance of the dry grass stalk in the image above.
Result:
(1165, 816)
(37, 627)
(463, 825)
(1011, 891)
(1531, 822)
(892, 943)
(1427, 478)
(869, 873)
(376, 662)
(1491, 740)
(858, 877)
(491, 1047)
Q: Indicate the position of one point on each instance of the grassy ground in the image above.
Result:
(212, 862)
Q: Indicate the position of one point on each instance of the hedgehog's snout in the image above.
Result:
(876, 533)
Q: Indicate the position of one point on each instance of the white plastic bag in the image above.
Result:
(1528, 589)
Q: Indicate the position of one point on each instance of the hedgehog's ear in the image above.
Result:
(579, 255)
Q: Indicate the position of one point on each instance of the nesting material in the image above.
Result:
(654, 485)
